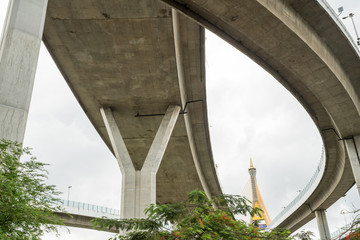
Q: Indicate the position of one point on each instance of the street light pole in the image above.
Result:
(68, 194)
(351, 15)
(343, 213)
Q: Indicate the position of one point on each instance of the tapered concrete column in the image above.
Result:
(322, 225)
(353, 148)
(139, 187)
(19, 51)
(128, 193)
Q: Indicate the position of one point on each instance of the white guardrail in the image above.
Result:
(303, 195)
(85, 209)
(342, 230)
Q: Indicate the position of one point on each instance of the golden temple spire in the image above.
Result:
(257, 201)
(251, 164)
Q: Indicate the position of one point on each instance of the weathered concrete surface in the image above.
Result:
(121, 54)
(304, 49)
(19, 51)
(81, 221)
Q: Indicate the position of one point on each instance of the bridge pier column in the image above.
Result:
(19, 51)
(139, 186)
(322, 225)
(353, 149)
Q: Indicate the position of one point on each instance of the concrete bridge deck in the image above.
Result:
(301, 45)
(80, 214)
(121, 55)
(136, 58)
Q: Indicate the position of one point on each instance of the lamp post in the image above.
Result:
(351, 15)
(343, 211)
(68, 194)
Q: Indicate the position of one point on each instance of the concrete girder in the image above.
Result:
(184, 99)
(294, 21)
(19, 52)
(139, 186)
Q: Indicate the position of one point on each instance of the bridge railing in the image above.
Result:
(340, 24)
(299, 199)
(88, 209)
(337, 233)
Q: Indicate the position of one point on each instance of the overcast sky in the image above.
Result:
(250, 115)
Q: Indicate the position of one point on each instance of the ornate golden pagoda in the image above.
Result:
(257, 200)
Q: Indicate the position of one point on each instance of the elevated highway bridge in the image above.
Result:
(137, 65)
(80, 214)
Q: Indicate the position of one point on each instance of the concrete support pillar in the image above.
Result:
(322, 225)
(19, 51)
(139, 187)
(353, 149)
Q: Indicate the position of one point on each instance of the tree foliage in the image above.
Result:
(304, 235)
(27, 203)
(197, 218)
(352, 230)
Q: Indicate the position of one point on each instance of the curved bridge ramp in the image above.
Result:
(304, 46)
(122, 55)
(79, 214)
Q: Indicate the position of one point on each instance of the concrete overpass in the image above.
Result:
(134, 59)
(80, 214)
(302, 44)
(133, 66)
(128, 59)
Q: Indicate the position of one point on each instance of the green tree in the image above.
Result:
(198, 218)
(27, 203)
(304, 235)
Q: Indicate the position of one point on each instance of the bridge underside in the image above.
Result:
(134, 58)
(121, 55)
(299, 43)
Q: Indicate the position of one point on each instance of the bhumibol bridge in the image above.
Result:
(82, 213)
(137, 69)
